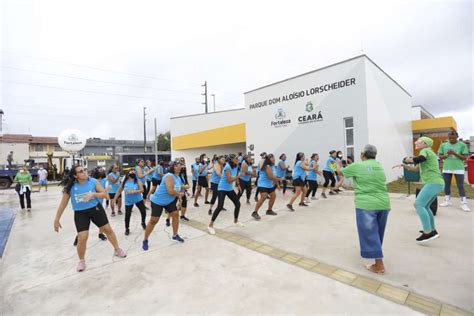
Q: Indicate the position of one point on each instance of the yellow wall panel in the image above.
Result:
(439, 123)
(231, 134)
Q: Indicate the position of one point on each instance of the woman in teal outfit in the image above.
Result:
(433, 184)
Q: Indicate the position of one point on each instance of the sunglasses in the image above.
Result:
(80, 171)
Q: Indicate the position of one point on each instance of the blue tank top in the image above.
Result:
(132, 198)
(264, 181)
(103, 183)
(298, 172)
(156, 175)
(223, 184)
(195, 167)
(247, 177)
(215, 177)
(280, 173)
(330, 164)
(312, 175)
(143, 170)
(204, 172)
(149, 176)
(115, 185)
(77, 194)
(161, 195)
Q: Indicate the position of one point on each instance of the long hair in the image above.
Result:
(281, 156)
(69, 181)
(98, 173)
(229, 159)
(313, 156)
(201, 158)
(131, 175)
(267, 162)
(299, 157)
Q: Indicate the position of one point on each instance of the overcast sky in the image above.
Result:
(93, 65)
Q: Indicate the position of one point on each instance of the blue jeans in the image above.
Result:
(371, 228)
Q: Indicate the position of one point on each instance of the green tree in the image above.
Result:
(164, 141)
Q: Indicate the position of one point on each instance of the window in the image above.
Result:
(349, 136)
(57, 148)
(38, 147)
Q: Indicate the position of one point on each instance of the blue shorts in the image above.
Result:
(43, 182)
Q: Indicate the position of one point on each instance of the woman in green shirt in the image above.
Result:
(372, 205)
(25, 182)
(433, 184)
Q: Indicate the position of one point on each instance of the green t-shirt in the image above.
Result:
(370, 185)
(429, 169)
(452, 162)
(23, 178)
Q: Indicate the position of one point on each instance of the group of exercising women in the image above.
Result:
(230, 176)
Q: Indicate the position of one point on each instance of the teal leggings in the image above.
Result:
(427, 195)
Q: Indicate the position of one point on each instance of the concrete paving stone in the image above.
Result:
(253, 245)
(306, 263)
(244, 241)
(423, 304)
(277, 253)
(393, 293)
(344, 276)
(265, 249)
(448, 310)
(324, 269)
(291, 258)
(366, 284)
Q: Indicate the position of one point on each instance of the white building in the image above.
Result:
(342, 106)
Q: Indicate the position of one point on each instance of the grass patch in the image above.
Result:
(401, 186)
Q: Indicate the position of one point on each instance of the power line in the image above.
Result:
(36, 106)
(97, 68)
(93, 92)
(101, 81)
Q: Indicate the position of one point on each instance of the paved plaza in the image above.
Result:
(306, 262)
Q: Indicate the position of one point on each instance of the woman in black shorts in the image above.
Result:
(165, 198)
(85, 193)
(202, 180)
(267, 183)
(299, 178)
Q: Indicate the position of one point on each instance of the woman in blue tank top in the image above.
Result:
(133, 196)
(281, 168)
(84, 193)
(195, 173)
(299, 177)
(312, 177)
(245, 181)
(202, 180)
(114, 180)
(267, 183)
(165, 198)
(226, 189)
(328, 173)
(142, 174)
(216, 176)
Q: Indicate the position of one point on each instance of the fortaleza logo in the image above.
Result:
(280, 119)
(72, 140)
(310, 118)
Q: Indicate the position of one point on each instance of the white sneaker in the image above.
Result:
(211, 230)
(314, 198)
(239, 224)
(445, 203)
(342, 189)
(465, 208)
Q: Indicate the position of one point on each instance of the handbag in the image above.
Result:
(18, 187)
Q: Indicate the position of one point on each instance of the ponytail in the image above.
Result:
(69, 181)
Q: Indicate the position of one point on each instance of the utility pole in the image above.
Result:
(144, 129)
(205, 95)
(214, 101)
(156, 146)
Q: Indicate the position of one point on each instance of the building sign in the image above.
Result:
(280, 119)
(304, 93)
(310, 118)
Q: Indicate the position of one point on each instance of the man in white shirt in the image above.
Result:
(43, 178)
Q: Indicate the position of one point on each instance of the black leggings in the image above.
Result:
(194, 186)
(128, 213)
(256, 191)
(313, 187)
(285, 185)
(146, 189)
(245, 186)
(220, 204)
(28, 199)
(214, 187)
(329, 176)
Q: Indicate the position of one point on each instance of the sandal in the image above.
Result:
(370, 268)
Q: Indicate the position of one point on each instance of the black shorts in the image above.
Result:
(112, 195)
(266, 190)
(184, 201)
(298, 183)
(202, 182)
(155, 182)
(214, 186)
(96, 214)
(157, 210)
